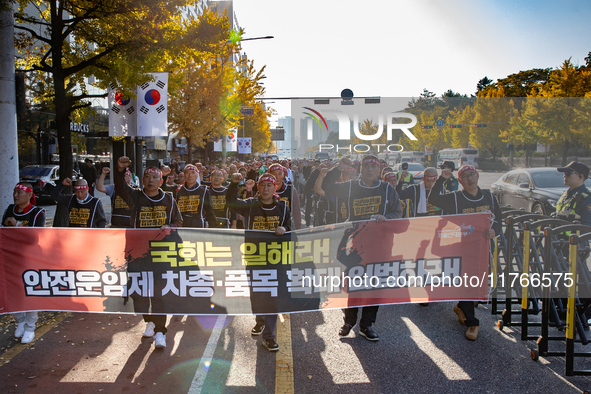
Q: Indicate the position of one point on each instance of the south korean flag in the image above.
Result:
(152, 102)
(244, 145)
(231, 145)
(122, 114)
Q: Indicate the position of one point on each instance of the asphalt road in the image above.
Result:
(421, 350)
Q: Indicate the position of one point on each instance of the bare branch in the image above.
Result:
(33, 33)
(90, 62)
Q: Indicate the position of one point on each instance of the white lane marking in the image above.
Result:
(205, 362)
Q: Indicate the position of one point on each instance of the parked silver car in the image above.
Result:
(532, 189)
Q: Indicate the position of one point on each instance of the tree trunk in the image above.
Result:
(62, 121)
(8, 138)
(565, 153)
(63, 108)
(189, 151)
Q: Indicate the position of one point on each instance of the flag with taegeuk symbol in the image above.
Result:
(245, 145)
(152, 103)
(122, 113)
(231, 144)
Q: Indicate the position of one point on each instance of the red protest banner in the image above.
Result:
(212, 271)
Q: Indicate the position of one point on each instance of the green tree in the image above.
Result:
(483, 83)
(521, 84)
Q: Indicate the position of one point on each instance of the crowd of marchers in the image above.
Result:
(241, 195)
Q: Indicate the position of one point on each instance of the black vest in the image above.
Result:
(218, 202)
(154, 212)
(83, 214)
(285, 195)
(367, 201)
(190, 202)
(34, 218)
(120, 212)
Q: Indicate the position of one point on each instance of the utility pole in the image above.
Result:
(8, 137)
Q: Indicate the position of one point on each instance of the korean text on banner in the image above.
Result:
(213, 271)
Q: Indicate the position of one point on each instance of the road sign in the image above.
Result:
(247, 110)
(439, 123)
(277, 135)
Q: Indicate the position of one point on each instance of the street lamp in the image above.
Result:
(256, 38)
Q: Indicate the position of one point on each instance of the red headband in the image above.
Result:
(430, 178)
(27, 189)
(80, 187)
(370, 160)
(24, 188)
(276, 167)
(390, 175)
(464, 169)
(267, 178)
(220, 172)
(190, 167)
(153, 171)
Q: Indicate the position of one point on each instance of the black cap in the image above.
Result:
(404, 166)
(449, 164)
(576, 166)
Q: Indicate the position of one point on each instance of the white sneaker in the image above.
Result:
(160, 340)
(28, 337)
(20, 330)
(149, 333)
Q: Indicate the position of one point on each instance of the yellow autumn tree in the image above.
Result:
(495, 111)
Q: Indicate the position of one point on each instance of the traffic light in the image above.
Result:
(455, 126)
(427, 127)
(480, 125)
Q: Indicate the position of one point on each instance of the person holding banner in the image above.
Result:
(419, 193)
(153, 208)
(265, 213)
(24, 213)
(368, 198)
(84, 210)
(470, 200)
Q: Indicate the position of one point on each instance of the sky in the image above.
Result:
(397, 48)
